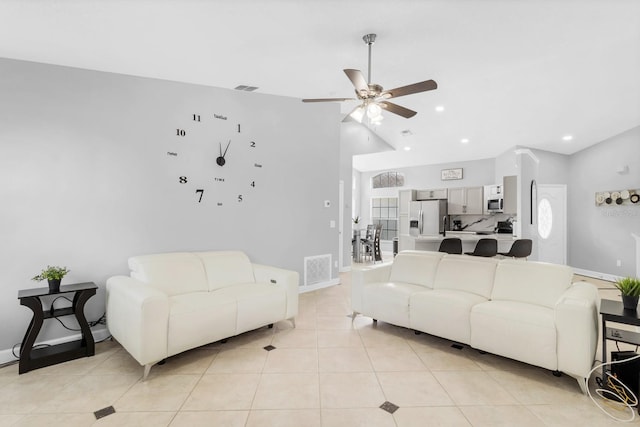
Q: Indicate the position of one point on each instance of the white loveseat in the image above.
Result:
(523, 310)
(174, 302)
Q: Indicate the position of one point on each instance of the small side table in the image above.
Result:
(613, 311)
(31, 358)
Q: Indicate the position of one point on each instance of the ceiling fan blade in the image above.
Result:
(358, 80)
(410, 89)
(397, 109)
(328, 99)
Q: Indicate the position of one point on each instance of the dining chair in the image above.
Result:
(372, 247)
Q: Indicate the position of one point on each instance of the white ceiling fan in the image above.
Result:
(373, 96)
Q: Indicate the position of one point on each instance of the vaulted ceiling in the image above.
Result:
(510, 72)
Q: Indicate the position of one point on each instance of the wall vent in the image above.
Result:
(246, 88)
(317, 269)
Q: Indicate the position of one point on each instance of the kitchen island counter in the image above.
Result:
(469, 240)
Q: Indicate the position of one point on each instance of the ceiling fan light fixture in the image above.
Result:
(374, 111)
(358, 114)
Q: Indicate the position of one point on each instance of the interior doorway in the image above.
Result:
(552, 223)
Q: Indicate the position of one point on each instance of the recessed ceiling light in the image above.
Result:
(407, 148)
(567, 137)
(464, 140)
(440, 108)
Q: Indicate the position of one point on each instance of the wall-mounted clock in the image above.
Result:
(215, 159)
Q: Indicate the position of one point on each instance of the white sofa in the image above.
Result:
(523, 310)
(174, 302)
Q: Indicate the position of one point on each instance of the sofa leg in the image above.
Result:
(270, 325)
(147, 369)
(375, 320)
(583, 385)
(417, 332)
(557, 373)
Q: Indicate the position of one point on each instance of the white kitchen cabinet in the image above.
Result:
(436, 193)
(465, 201)
(405, 241)
(404, 197)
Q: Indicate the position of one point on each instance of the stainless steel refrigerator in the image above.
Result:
(428, 217)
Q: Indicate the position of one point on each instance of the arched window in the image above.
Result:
(387, 179)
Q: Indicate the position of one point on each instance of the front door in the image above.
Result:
(552, 223)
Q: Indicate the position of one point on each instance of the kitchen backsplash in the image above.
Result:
(479, 222)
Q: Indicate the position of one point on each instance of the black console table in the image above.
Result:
(31, 358)
(613, 311)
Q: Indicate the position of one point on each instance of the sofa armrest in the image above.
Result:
(576, 315)
(138, 318)
(287, 279)
(360, 279)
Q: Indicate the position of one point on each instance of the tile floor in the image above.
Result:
(326, 372)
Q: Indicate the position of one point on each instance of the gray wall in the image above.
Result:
(601, 235)
(87, 182)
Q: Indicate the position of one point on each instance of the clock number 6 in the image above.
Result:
(201, 194)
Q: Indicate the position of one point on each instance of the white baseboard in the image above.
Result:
(596, 275)
(99, 334)
(317, 286)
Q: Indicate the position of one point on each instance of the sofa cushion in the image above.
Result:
(199, 318)
(226, 268)
(466, 273)
(531, 282)
(389, 301)
(258, 304)
(444, 313)
(173, 273)
(415, 267)
(520, 331)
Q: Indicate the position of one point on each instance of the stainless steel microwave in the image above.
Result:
(495, 204)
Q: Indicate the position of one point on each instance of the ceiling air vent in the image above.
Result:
(246, 88)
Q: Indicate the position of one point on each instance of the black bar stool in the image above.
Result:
(521, 248)
(486, 248)
(451, 245)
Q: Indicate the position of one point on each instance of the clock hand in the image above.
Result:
(220, 149)
(225, 150)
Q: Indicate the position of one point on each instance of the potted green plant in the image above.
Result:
(629, 287)
(54, 275)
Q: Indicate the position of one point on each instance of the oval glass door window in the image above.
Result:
(545, 218)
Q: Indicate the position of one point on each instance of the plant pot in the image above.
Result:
(54, 286)
(629, 302)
